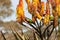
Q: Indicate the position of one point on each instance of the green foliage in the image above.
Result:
(51, 18)
(29, 20)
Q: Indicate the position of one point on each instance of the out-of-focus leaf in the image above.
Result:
(51, 18)
(29, 20)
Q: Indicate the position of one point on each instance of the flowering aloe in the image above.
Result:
(37, 10)
(47, 14)
(20, 11)
(58, 7)
(54, 5)
(42, 9)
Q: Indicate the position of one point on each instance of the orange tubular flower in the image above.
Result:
(20, 11)
(29, 4)
(57, 2)
(35, 3)
(42, 9)
(59, 10)
(38, 16)
(46, 18)
(28, 1)
(35, 6)
(30, 9)
(47, 9)
(57, 7)
(54, 11)
(39, 7)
